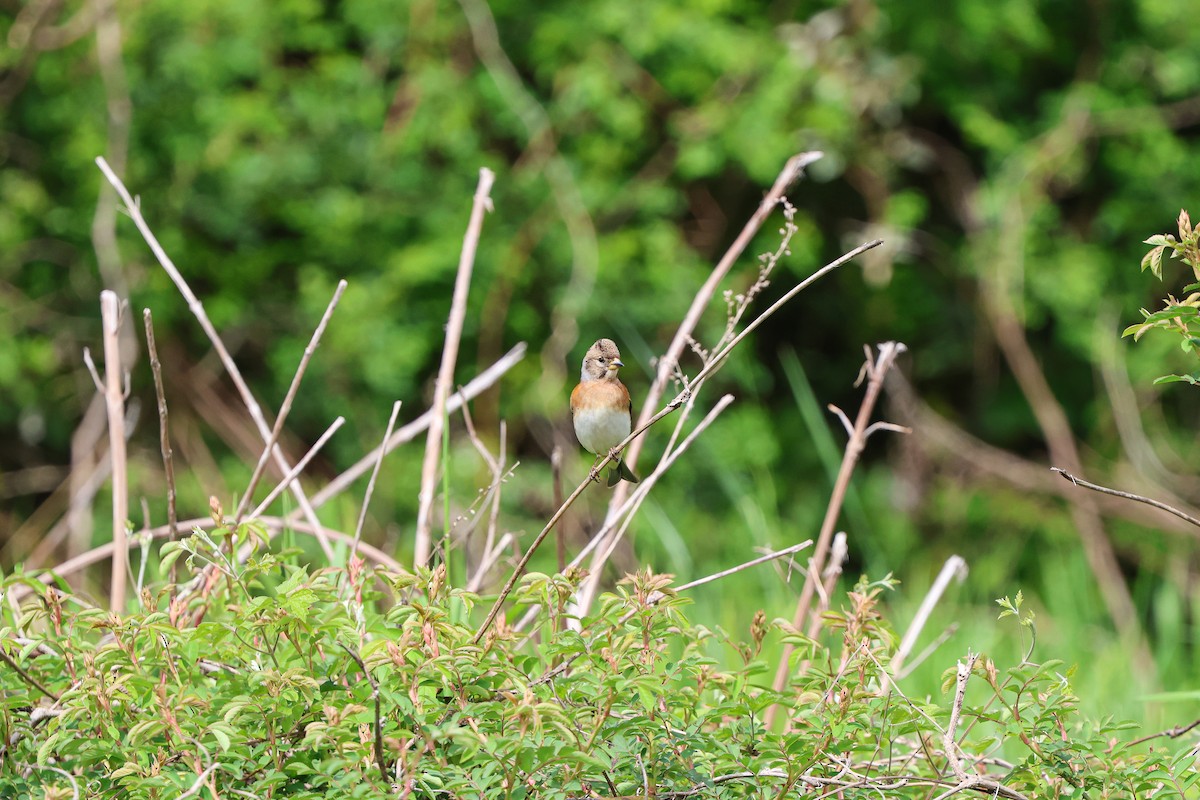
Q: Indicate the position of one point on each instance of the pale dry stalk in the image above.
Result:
(458, 314)
(877, 369)
(114, 398)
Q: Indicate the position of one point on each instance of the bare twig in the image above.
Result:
(877, 369)
(197, 309)
(362, 514)
(296, 470)
(1171, 733)
(458, 314)
(1126, 495)
(754, 562)
(481, 383)
(605, 541)
(488, 560)
(25, 676)
(114, 396)
(955, 567)
(286, 408)
(199, 783)
(556, 460)
(495, 465)
(610, 535)
(164, 431)
(949, 745)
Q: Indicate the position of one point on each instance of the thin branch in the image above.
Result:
(495, 466)
(286, 408)
(110, 313)
(199, 784)
(929, 650)
(609, 536)
(487, 561)
(519, 570)
(949, 745)
(296, 470)
(747, 565)
(481, 383)
(1126, 495)
(955, 567)
(888, 351)
(458, 314)
(666, 365)
(25, 676)
(164, 432)
(197, 309)
(91, 368)
(602, 542)
(362, 514)
(1172, 733)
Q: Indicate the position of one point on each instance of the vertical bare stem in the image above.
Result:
(858, 440)
(458, 313)
(114, 397)
(164, 432)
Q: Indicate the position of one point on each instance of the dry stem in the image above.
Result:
(164, 431)
(877, 368)
(197, 309)
(955, 567)
(666, 365)
(362, 514)
(114, 397)
(458, 314)
(407, 433)
(286, 408)
(1095, 487)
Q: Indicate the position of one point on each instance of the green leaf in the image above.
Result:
(1153, 260)
(1173, 312)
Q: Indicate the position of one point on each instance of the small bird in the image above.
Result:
(600, 407)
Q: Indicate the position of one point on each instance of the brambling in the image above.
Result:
(601, 409)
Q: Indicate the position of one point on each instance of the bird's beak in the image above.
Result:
(616, 364)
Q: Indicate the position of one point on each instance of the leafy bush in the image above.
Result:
(271, 680)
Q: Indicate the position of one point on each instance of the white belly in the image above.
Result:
(600, 431)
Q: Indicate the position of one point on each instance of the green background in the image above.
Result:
(1012, 154)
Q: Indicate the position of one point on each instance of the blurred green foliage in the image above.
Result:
(1013, 155)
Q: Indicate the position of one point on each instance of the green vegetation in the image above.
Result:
(1010, 156)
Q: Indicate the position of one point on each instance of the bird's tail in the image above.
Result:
(621, 473)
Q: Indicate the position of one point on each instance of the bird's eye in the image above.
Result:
(600, 359)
